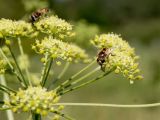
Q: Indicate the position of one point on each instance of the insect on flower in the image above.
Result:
(37, 14)
(102, 56)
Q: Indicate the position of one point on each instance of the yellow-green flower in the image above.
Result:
(36, 99)
(121, 57)
(10, 28)
(54, 26)
(58, 49)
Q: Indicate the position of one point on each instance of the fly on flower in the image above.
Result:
(37, 14)
(102, 56)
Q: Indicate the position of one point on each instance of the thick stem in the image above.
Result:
(47, 72)
(36, 116)
(6, 97)
(22, 53)
(1, 102)
(44, 69)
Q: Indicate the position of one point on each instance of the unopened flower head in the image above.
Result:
(10, 28)
(54, 26)
(36, 99)
(59, 49)
(120, 55)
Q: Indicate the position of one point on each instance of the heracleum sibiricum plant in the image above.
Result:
(115, 55)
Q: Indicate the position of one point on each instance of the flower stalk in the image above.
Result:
(74, 76)
(16, 63)
(64, 70)
(36, 116)
(12, 68)
(86, 83)
(47, 72)
(60, 75)
(111, 105)
(78, 80)
(22, 53)
(7, 88)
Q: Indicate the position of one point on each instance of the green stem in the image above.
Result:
(36, 116)
(64, 70)
(11, 67)
(74, 76)
(7, 88)
(4, 109)
(44, 69)
(63, 115)
(1, 102)
(47, 73)
(60, 75)
(111, 105)
(4, 90)
(89, 65)
(86, 83)
(14, 58)
(22, 53)
(79, 80)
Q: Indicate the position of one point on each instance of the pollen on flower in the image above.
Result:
(122, 56)
(36, 99)
(54, 26)
(58, 49)
(10, 28)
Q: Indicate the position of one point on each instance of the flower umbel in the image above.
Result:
(121, 55)
(59, 49)
(10, 28)
(54, 26)
(36, 99)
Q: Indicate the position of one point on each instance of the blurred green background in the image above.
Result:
(138, 21)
